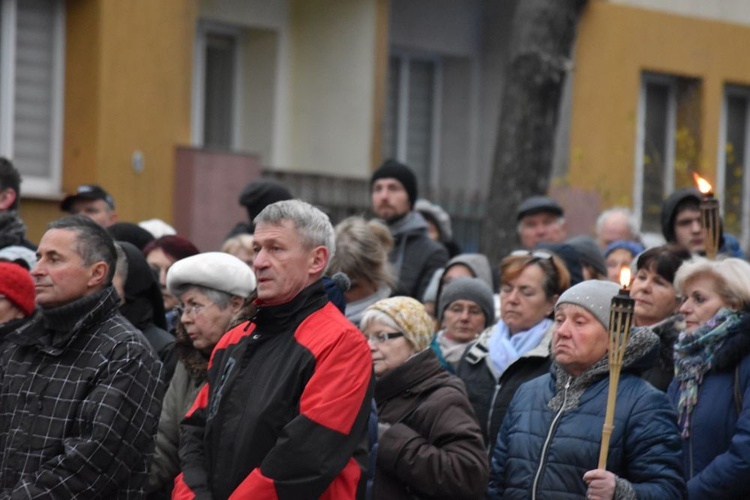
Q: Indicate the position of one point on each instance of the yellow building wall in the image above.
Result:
(127, 88)
(615, 45)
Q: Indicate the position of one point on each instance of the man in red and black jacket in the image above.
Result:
(288, 393)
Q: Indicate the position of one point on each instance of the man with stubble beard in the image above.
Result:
(414, 256)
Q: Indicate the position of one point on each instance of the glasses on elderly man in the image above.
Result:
(383, 337)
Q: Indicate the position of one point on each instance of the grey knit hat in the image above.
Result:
(473, 289)
(593, 295)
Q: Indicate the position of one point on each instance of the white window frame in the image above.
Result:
(743, 92)
(402, 109)
(199, 82)
(640, 149)
(32, 184)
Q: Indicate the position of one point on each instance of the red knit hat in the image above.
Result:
(17, 286)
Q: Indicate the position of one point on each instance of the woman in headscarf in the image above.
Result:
(429, 443)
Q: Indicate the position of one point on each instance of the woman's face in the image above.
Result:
(523, 302)
(463, 320)
(160, 262)
(616, 260)
(386, 354)
(8, 311)
(655, 298)
(579, 340)
(701, 302)
(204, 321)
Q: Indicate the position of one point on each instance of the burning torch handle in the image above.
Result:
(609, 418)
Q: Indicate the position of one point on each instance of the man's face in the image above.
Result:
(283, 265)
(541, 227)
(688, 230)
(614, 228)
(60, 273)
(389, 199)
(97, 210)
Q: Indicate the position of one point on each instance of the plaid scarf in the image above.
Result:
(693, 358)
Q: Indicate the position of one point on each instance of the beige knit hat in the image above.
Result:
(410, 317)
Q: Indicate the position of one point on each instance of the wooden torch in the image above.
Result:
(620, 319)
(709, 217)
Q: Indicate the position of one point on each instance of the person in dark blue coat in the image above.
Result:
(711, 387)
(549, 443)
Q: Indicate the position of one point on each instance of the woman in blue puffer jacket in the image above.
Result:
(711, 388)
(549, 443)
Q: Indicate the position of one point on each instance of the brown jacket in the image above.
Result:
(434, 447)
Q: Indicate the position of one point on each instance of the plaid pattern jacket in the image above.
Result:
(80, 397)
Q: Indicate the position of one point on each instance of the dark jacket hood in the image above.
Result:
(143, 301)
(669, 207)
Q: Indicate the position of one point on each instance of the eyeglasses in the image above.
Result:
(194, 309)
(383, 337)
(536, 254)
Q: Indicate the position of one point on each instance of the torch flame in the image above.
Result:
(624, 276)
(703, 185)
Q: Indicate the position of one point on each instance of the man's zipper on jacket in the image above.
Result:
(543, 456)
(489, 415)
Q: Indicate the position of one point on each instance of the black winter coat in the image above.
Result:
(491, 396)
(79, 404)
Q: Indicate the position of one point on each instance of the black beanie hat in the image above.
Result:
(260, 193)
(391, 169)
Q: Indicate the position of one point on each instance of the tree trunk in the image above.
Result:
(541, 43)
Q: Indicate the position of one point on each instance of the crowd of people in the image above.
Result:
(371, 359)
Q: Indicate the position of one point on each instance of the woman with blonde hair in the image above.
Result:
(362, 254)
(711, 386)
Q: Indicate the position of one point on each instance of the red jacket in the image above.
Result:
(284, 409)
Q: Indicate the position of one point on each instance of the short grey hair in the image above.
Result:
(313, 226)
(93, 243)
(121, 268)
(633, 225)
(221, 299)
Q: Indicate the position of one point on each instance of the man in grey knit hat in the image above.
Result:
(465, 309)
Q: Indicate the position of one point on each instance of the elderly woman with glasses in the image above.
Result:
(429, 443)
(517, 348)
(711, 386)
(215, 291)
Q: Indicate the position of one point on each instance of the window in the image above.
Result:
(412, 117)
(667, 147)
(733, 179)
(216, 85)
(31, 90)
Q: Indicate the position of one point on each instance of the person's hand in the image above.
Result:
(601, 484)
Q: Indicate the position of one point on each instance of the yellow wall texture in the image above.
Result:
(127, 88)
(615, 45)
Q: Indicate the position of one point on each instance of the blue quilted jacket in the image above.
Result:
(716, 453)
(543, 452)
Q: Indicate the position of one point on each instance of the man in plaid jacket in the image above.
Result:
(80, 392)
